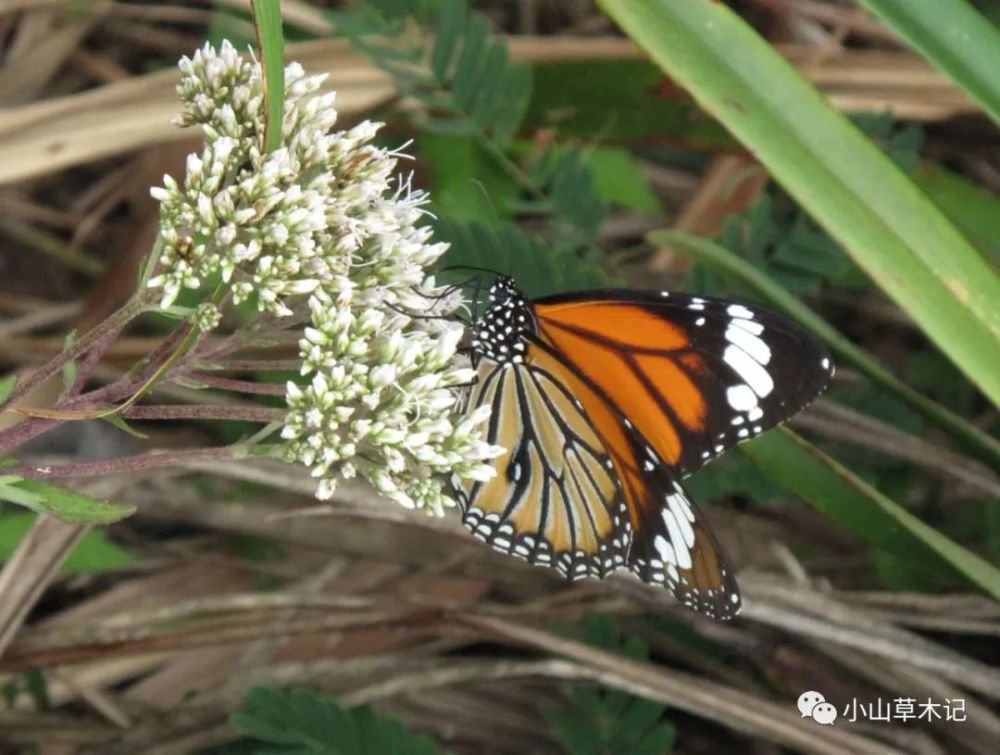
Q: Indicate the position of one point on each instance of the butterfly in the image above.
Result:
(604, 401)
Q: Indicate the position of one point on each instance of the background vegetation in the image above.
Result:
(837, 161)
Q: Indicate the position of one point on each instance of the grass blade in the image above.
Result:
(972, 208)
(805, 470)
(955, 37)
(840, 177)
(271, 48)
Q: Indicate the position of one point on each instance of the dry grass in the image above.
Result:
(370, 602)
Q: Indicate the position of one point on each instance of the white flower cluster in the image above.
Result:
(314, 226)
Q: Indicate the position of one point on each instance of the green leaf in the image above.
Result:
(973, 209)
(93, 553)
(507, 250)
(121, 424)
(229, 24)
(38, 689)
(618, 180)
(910, 574)
(513, 104)
(270, 47)
(657, 741)
(463, 86)
(571, 196)
(725, 261)
(490, 91)
(449, 28)
(302, 721)
(67, 505)
(955, 38)
(7, 386)
(609, 720)
(615, 100)
(854, 504)
(466, 183)
(840, 177)
(576, 734)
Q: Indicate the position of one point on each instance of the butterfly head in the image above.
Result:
(500, 335)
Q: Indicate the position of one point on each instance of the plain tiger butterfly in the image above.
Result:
(604, 401)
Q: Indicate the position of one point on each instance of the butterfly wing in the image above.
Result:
(672, 545)
(578, 483)
(554, 499)
(619, 395)
(696, 375)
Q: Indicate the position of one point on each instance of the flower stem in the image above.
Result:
(126, 463)
(184, 411)
(231, 384)
(16, 435)
(115, 323)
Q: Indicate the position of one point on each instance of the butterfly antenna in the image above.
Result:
(486, 195)
(414, 316)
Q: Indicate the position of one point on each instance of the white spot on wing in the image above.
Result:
(665, 550)
(677, 540)
(747, 368)
(682, 521)
(678, 503)
(751, 326)
(741, 398)
(750, 343)
(738, 310)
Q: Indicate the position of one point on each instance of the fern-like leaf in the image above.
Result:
(606, 721)
(573, 200)
(303, 722)
(507, 250)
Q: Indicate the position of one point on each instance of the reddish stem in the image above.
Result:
(123, 464)
(184, 411)
(31, 428)
(232, 384)
(132, 309)
(254, 365)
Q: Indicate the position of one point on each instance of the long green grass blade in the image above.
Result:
(723, 261)
(271, 47)
(805, 470)
(955, 37)
(973, 209)
(858, 195)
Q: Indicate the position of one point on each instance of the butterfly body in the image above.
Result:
(604, 400)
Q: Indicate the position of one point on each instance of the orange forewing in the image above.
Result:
(611, 343)
(620, 322)
(675, 387)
